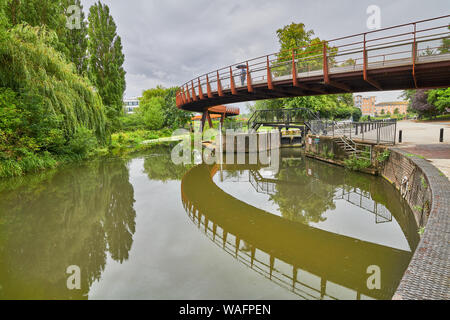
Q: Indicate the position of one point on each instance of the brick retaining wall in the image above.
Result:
(428, 274)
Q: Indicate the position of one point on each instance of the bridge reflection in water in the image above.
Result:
(293, 251)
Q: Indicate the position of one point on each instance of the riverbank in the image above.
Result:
(121, 143)
(426, 189)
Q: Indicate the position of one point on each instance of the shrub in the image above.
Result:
(354, 163)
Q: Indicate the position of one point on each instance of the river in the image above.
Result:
(142, 227)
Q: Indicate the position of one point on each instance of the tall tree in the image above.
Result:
(76, 38)
(105, 68)
(40, 13)
(295, 38)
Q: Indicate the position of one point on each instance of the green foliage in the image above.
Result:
(132, 141)
(106, 60)
(354, 163)
(421, 231)
(440, 98)
(445, 47)
(40, 13)
(382, 157)
(152, 113)
(327, 154)
(296, 38)
(76, 40)
(338, 106)
(173, 117)
(160, 166)
(44, 103)
(412, 155)
(423, 182)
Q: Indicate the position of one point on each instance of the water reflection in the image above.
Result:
(312, 228)
(61, 218)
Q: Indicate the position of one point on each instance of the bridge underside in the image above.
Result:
(427, 75)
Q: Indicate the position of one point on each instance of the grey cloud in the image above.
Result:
(169, 42)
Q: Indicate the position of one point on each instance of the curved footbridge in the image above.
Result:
(406, 56)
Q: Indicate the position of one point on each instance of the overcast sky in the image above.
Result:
(169, 42)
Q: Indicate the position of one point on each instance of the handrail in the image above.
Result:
(265, 62)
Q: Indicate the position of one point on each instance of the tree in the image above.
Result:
(106, 61)
(396, 111)
(152, 113)
(173, 117)
(440, 98)
(420, 104)
(296, 38)
(76, 40)
(40, 13)
(46, 104)
(293, 36)
(382, 112)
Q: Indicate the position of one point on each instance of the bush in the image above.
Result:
(152, 114)
(83, 143)
(354, 163)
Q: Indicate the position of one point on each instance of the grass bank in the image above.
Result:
(121, 143)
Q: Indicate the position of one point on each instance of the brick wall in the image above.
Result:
(412, 183)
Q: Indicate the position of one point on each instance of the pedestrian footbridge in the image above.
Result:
(406, 56)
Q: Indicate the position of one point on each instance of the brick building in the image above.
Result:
(367, 105)
(390, 107)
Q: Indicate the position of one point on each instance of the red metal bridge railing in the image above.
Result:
(409, 42)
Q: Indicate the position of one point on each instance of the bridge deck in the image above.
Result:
(396, 60)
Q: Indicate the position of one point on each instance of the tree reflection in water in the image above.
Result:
(73, 216)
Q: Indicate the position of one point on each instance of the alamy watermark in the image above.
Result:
(374, 280)
(74, 280)
(374, 19)
(73, 20)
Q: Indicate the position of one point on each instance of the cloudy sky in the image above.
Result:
(169, 42)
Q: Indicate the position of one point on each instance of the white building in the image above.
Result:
(130, 105)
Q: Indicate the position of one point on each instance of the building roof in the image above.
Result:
(213, 116)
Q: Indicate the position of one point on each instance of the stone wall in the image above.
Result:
(323, 146)
(428, 274)
(427, 191)
(411, 181)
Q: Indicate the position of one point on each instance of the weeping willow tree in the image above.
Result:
(51, 101)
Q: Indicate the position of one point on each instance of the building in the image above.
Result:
(130, 105)
(367, 105)
(391, 107)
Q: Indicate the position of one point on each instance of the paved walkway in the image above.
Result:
(422, 138)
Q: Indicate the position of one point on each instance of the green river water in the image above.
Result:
(145, 228)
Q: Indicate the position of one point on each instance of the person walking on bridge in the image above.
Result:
(243, 72)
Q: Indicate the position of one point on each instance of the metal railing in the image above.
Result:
(378, 131)
(406, 44)
(282, 116)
